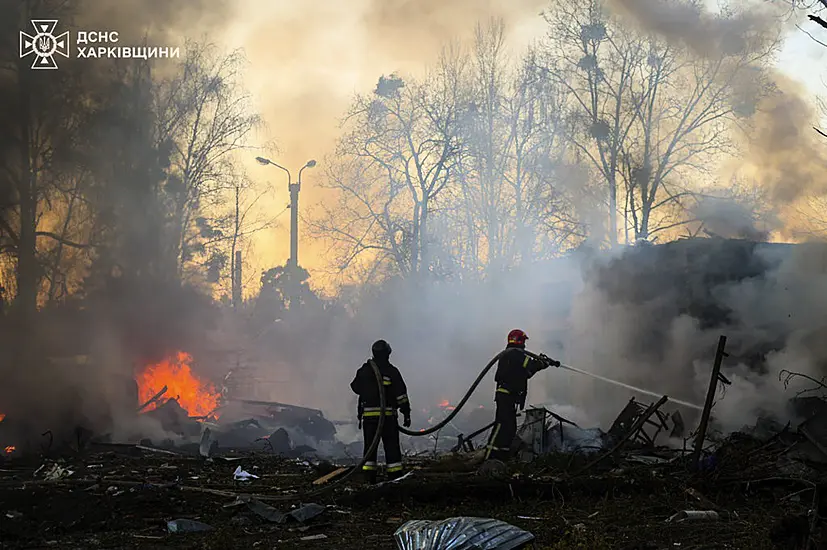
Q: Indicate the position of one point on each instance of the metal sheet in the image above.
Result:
(462, 533)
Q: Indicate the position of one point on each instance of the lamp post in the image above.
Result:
(294, 206)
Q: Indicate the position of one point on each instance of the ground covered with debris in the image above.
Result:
(125, 497)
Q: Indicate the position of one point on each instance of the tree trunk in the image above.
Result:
(27, 272)
(613, 211)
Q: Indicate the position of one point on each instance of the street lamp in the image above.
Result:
(294, 206)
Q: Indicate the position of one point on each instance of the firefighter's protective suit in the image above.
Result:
(514, 368)
(396, 401)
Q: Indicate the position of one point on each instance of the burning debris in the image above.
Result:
(197, 397)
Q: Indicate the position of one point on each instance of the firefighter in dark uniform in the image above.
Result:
(514, 368)
(396, 401)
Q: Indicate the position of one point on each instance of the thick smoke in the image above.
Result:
(649, 316)
(733, 218)
(690, 24)
(787, 154)
(646, 335)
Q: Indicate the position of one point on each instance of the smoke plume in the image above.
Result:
(782, 146)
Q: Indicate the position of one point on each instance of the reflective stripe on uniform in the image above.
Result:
(395, 467)
(503, 390)
(493, 438)
(377, 411)
(369, 466)
(525, 363)
(402, 398)
(386, 380)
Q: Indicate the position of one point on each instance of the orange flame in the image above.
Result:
(445, 404)
(197, 397)
(10, 449)
(2, 417)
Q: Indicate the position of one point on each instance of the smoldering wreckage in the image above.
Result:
(232, 472)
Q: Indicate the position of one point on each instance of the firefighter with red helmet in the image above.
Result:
(514, 368)
(396, 401)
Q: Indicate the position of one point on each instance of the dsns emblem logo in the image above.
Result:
(44, 44)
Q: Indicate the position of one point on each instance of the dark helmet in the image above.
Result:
(517, 337)
(381, 349)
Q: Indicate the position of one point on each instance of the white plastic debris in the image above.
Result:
(57, 472)
(397, 480)
(243, 475)
(462, 533)
(694, 515)
(314, 537)
(187, 526)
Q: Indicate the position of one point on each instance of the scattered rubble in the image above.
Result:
(754, 494)
(572, 487)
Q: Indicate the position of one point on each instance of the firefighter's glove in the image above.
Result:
(406, 422)
(548, 361)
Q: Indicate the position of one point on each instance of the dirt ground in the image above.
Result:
(123, 498)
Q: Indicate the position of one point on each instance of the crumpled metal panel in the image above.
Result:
(463, 533)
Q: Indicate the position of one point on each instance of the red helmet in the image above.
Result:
(517, 336)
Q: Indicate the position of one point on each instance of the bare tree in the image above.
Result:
(513, 141)
(204, 116)
(650, 117)
(395, 160)
(241, 220)
(596, 62)
(684, 110)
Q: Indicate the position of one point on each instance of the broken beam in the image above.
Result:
(154, 398)
(710, 399)
(277, 404)
(629, 434)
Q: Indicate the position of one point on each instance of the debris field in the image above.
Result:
(123, 496)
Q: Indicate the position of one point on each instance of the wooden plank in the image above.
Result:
(325, 478)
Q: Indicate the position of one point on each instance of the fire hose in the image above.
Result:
(378, 435)
(383, 407)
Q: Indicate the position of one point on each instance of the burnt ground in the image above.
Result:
(123, 499)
